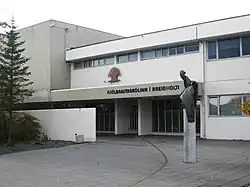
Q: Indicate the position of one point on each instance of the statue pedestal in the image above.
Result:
(189, 146)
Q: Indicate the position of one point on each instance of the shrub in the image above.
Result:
(25, 127)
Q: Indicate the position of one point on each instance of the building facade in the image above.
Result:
(45, 44)
(135, 85)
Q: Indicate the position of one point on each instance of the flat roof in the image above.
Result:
(123, 38)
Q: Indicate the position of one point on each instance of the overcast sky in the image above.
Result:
(123, 17)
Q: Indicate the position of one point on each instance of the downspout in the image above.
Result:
(203, 89)
(203, 103)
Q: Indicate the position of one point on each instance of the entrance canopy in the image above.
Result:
(124, 91)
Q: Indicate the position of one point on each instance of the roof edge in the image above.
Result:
(195, 24)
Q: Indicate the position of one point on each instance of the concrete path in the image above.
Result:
(129, 161)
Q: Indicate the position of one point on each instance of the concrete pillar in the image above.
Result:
(144, 117)
(189, 146)
(121, 117)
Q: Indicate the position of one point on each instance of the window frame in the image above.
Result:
(152, 50)
(218, 105)
(217, 48)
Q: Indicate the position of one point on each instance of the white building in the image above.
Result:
(45, 43)
(145, 97)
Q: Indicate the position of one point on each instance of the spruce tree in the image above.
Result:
(14, 75)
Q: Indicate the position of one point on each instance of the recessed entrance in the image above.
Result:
(167, 116)
(133, 123)
(105, 121)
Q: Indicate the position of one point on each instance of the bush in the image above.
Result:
(3, 127)
(25, 127)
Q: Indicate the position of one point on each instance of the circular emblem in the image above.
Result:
(114, 74)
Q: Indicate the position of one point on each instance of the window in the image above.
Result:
(109, 61)
(246, 45)
(229, 48)
(228, 105)
(96, 62)
(78, 65)
(158, 53)
(213, 106)
(123, 59)
(172, 51)
(133, 57)
(101, 62)
(180, 49)
(147, 55)
(212, 50)
(191, 48)
(128, 58)
(165, 52)
(88, 63)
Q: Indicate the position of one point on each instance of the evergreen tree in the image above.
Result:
(14, 75)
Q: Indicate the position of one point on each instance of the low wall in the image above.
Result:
(63, 124)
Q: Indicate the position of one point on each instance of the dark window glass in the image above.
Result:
(147, 55)
(133, 57)
(246, 45)
(172, 51)
(158, 53)
(228, 105)
(109, 61)
(180, 50)
(191, 48)
(213, 106)
(211, 50)
(78, 65)
(88, 63)
(165, 52)
(229, 48)
(123, 59)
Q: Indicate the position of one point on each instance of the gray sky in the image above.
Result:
(124, 17)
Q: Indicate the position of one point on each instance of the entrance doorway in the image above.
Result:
(133, 116)
(167, 115)
(105, 120)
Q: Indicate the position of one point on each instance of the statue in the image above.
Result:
(189, 96)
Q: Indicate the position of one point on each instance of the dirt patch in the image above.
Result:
(34, 145)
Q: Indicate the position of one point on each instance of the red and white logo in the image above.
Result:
(114, 74)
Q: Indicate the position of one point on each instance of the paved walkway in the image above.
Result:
(124, 161)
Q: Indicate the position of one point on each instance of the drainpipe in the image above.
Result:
(203, 89)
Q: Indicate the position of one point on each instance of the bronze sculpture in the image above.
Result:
(189, 96)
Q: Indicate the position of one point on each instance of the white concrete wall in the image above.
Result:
(37, 45)
(228, 128)
(144, 117)
(46, 46)
(122, 120)
(227, 76)
(63, 124)
(147, 71)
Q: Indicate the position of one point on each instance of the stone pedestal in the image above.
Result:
(189, 146)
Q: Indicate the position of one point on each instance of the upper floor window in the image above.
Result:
(191, 47)
(110, 60)
(78, 65)
(246, 45)
(128, 58)
(147, 55)
(228, 48)
(212, 50)
(94, 63)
